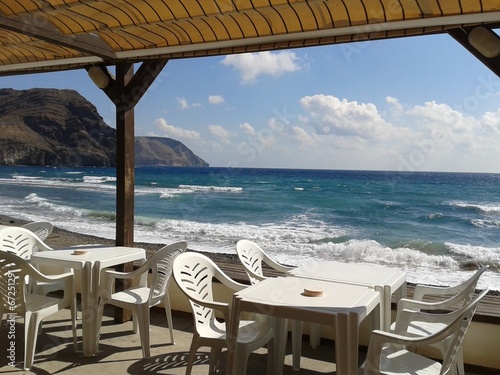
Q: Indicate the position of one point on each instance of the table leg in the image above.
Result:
(346, 343)
(88, 311)
(232, 335)
(280, 334)
(297, 343)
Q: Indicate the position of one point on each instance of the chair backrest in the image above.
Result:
(21, 241)
(13, 280)
(251, 256)
(457, 329)
(161, 264)
(194, 273)
(42, 229)
(461, 293)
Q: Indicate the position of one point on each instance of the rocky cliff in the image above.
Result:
(164, 151)
(61, 128)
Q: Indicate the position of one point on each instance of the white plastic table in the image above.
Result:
(386, 280)
(341, 306)
(90, 264)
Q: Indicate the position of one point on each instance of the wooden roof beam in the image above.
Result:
(89, 44)
(461, 35)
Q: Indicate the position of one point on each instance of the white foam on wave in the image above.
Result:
(25, 178)
(486, 223)
(60, 183)
(98, 179)
(211, 188)
(287, 244)
(485, 208)
(53, 209)
(476, 253)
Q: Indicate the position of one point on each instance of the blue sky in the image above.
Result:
(420, 103)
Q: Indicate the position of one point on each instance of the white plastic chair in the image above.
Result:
(387, 353)
(195, 273)
(23, 242)
(42, 229)
(456, 296)
(139, 299)
(253, 257)
(17, 300)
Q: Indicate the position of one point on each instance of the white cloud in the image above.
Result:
(346, 118)
(252, 65)
(174, 132)
(247, 128)
(183, 104)
(216, 99)
(222, 134)
(491, 120)
(302, 136)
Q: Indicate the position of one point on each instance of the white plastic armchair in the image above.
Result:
(42, 229)
(139, 299)
(456, 296)
(387, 353)
(253, 257)
(23, 242)
(195, 274)
(17, 300)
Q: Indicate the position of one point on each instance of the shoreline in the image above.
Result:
(61, 238)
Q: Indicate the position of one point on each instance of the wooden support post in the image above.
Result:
(124, 175)
(125, 91)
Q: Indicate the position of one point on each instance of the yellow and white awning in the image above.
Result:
(48, 35)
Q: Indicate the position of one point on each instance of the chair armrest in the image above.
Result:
(380, 339)
(68, 278)
(223, 307)
(108, 276)
(254, 276)
(38, 276)
(126, 275)
(230, 283)
(277, 266)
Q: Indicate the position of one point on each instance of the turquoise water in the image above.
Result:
(421, 222)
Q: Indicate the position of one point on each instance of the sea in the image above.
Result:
(435, 226)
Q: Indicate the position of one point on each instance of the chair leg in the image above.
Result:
(142, 315)
(192, 355)
(135, 324)
(31, 325)
(214, 360)
(73, 324)
(168, 313)
(100, 312)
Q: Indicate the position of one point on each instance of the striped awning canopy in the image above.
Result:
(49, 35)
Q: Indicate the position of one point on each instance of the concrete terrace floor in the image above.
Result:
(120, 351)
